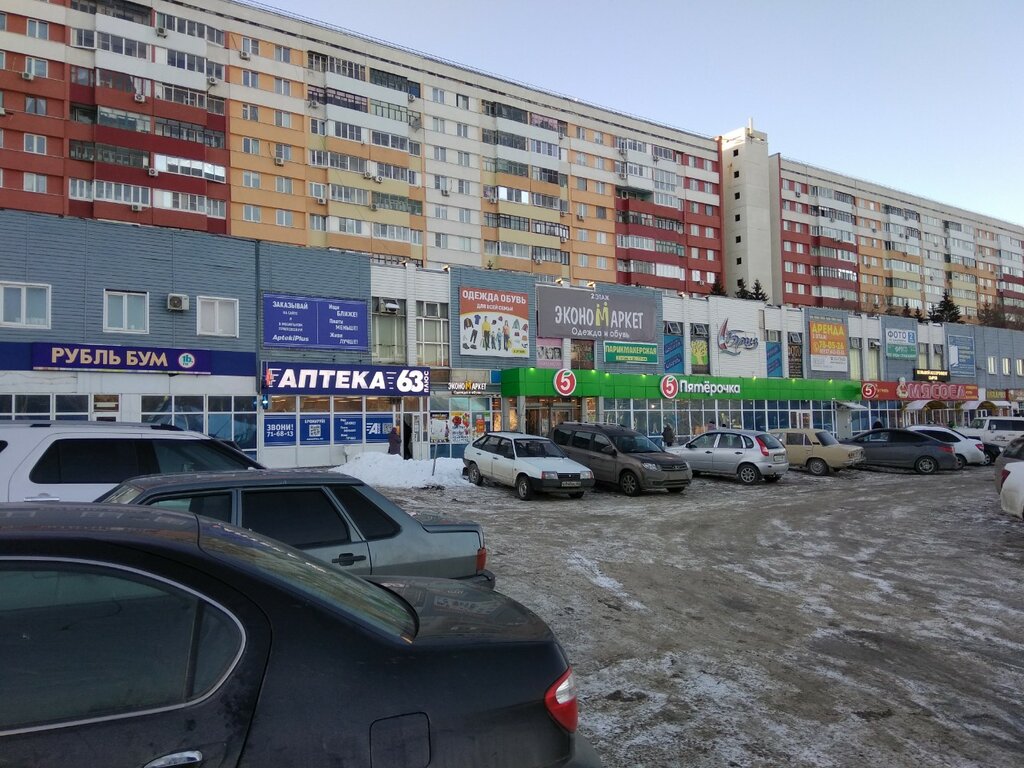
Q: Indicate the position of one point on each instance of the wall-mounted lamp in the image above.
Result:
(591, 284)
(559, 281)
(446, 268)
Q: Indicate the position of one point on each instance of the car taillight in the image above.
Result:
(946, 448)
(980, 447)
(481, 559)
(1002, 477)
(561, 701)
(762, 446)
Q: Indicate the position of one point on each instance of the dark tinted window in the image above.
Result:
(796, 438)
(769, 441)
(601, 442)
(215, 505)
(174, 456)
(86, 627)
(360, 504)
(89, 460)
(581, 440)
(908, 438)
(729, 440)
(938, 434)
(561, 435)
(302, 517)
(504, 448)
(1015, 449)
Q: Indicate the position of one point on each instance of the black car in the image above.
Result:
(134, 637)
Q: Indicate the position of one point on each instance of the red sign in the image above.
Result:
(565, 382)
(917, 390)
(669, 387)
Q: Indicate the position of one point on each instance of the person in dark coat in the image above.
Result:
(668, 436)
(394, 442)
(877, 425)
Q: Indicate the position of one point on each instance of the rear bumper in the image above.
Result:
(583, 755)
(483, 579)
(773, 470)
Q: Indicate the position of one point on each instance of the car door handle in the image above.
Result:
(42, 497)
(189, 757)
(707, 451)
(347, 558)
(738, 453)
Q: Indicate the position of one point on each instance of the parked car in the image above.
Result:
(332, 517)
(997, 431)
(748, 455)
(175, 639)
(1013, 453)
(966, 450)
(905, 449)
(1011, 489)
(623, 457)
(528, 463)
(79, 460)
(817, 451)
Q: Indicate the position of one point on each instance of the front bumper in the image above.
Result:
(652, 480)
(561, 485)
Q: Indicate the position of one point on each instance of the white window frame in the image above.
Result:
(123, 328)
(23, 288)
(204, 304)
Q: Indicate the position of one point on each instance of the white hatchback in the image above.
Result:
(528, 463)
(1011, 496)
(968, 450)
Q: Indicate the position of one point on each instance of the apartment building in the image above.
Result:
(229, 119)
(822, 239)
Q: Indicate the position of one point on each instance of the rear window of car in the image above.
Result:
(363, 504)
(561, 435)
(826, 438)
(769, 441)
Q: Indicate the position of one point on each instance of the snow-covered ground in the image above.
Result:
(386, 471)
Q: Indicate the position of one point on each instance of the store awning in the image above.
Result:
(972, 405)
(851, 406)
(1001, 403)
(918, 405)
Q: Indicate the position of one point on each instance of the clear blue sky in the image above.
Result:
(926, 96)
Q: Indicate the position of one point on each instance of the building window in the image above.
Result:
(739, 238)
(250, 146)
(34, 182)
(216, 316)
(250, 179)
(249, 45)
(284, 218)
(250, 112)
(126, 312)
(461, 101)
(35, 144)
(991, 364)
(437, 95)
(388, 331)
(282, 119)
(1006, 366)
(24, 305)
(251, 213)
(284, 185)
(462, 129)
(432, 347)
(282, 53)
(37, 29)
(250, 79)
(38, 67)
(35, 106)
(282, 86)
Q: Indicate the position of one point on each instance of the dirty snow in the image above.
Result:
(387, 471)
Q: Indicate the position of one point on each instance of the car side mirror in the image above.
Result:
(610, 450)
(691, 446)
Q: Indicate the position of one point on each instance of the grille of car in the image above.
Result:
(568, 475)
(673, 467)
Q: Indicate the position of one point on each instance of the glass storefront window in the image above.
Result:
(380, 404)
(32, 407)
(348, 404)
(281, 404)
(315, 404)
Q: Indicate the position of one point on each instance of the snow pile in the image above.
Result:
(389, 471)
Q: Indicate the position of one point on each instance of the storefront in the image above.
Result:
(464, 409)
(320, 413)
(921, 402)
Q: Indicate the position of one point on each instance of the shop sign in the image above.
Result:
(901, 344)
(917, 390)
(582, 314)
(467, 387)
(549, 353)
(999, 394)
(617, 352)
(674, 353)
(306, 321)
(328, 379)
(315, 430)
(494, 323)
(669, 387)
(378, 427)
(827, 340)
(928, 374)
(102, 357)
(733, 342)
(279, 430)
(961, 355)
(708, 388)
(348, 429)
(565, 382)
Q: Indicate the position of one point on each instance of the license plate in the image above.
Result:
(571, 483)
(778, 459)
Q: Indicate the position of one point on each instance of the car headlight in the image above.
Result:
(548, 475)
(586, 474)
(648, 465)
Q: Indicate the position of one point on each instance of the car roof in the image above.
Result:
(603, 427)
(68, 520)
(731, 431)
(89, 425)
(243, 478)
(515, 435)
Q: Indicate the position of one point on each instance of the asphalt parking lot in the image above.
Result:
(869, 618)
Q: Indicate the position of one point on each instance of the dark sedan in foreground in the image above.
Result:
(904, 448)
(134, 637)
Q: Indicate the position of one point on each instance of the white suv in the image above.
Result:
(80, 460)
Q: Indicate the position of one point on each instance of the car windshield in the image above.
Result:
(978, 424)
(126, 493)
(769, 441)
(538, 449)
(635, 444)
(294, 571)
(826, 438)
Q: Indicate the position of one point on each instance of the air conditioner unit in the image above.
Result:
(140, 98)
(373, 206)
(622, 175)
(389, 306)
(313, 103)
(623, 151)
(414, 123)
(580, 217)
(136, 207)
(321, 201)
(367, 174)
(379, 179)
(28, 76)
(211, 80)
(152, 172)
(244, 55)
(278, 161)
(445, 193)
(161, 32)
(412, 98)
(177, 302)
(2, 111)
(798, 193)
(564, 239)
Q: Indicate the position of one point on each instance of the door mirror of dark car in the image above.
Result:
(610, 450)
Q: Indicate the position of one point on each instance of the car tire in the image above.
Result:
(961, 462)
(926, 465)
(576, 495)
(474, 475)
(748, 474)
(629, 483)
(524, 489)
(817, 467)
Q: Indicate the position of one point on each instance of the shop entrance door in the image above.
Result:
(800, 419)
(106, 408)
(545, 413)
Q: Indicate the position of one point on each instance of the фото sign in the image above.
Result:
(961, 355)
(103, 357)
(494, 323)
(733, 342)
(901, 344)
(329, 379)
(917, 390)
(828, 345)
(581, 314)
(304, 321)
(617, 352)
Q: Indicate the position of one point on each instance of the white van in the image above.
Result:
(997, 431)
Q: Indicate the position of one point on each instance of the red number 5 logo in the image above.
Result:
(565, 382)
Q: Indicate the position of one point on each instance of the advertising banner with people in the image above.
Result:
(494, 323)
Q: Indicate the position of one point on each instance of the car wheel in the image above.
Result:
(925, 465)
(474, 475)
(961, 462)
(576, 495)
(523, 488)
(817, 467)
(629, 484)
(748, 474)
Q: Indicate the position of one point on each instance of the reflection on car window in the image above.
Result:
(826, 438)
(215, 505)
(769, 441)
(704, 441)
(538, 449)
(635, 444)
